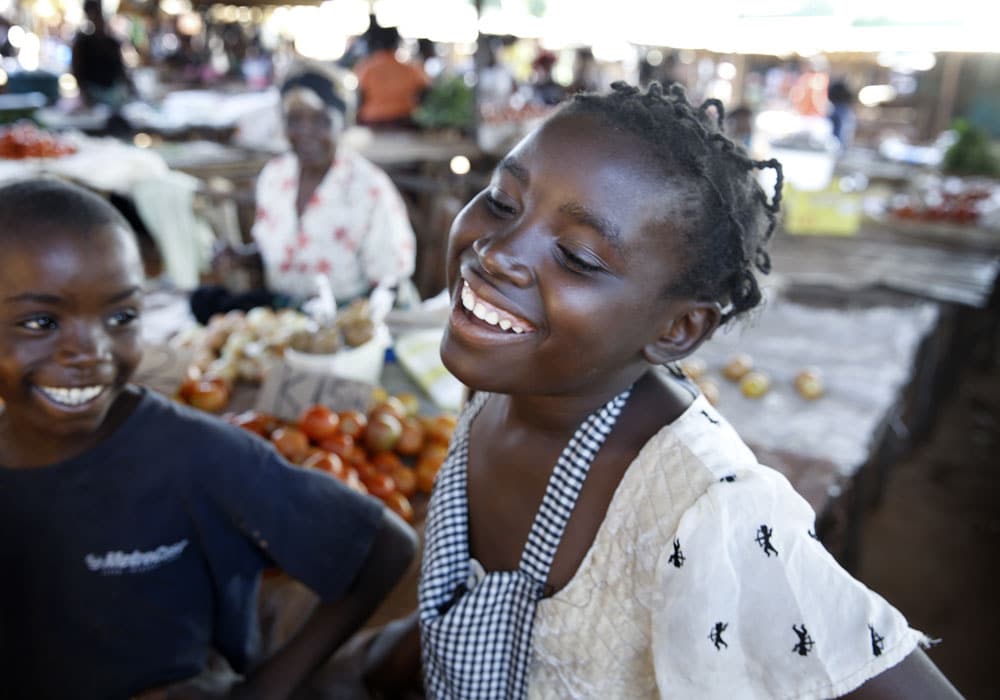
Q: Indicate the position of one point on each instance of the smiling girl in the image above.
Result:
(599, 530)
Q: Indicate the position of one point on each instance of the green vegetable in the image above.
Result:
(971, 154)
(448, 104)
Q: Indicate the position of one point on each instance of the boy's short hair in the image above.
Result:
(29, 208)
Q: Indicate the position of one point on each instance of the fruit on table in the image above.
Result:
(383, 432)
(319, 422)
(400, 505)
(291, 442)
(755, 384)
(737, 367)
(209, 394)
(809, 383)
(353, 423)
(411, 439)
(326, 462)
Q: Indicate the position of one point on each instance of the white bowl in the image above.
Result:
(363, 363)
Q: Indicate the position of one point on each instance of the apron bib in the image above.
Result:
(475, 626)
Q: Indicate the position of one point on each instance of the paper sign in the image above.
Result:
(162, 368)
(288, 391)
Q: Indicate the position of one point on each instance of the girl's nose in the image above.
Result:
(498, 260)
(84, 343)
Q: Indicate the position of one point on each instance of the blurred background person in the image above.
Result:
(97, 62)
(544, 88)
(842, 120)
(322, 210)
(389, 90)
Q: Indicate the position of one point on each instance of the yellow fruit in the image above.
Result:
(809, 384)
(694, 368)
(737, 367)
(755, 384)
(711, 391)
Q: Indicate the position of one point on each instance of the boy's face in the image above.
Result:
(573, 242)
(69, 332)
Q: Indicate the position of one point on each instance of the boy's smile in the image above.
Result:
(69, 336)
(558, 269)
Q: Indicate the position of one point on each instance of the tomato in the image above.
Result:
(386, 462)
(327, 462)
(390, 405)
(210, 395)
(400, 505)
(425, 478)
(379, 485)
(411, 404)
(439, 428)
(259, 423)
(354, 481)
(433, 456)
(353, 423)
(319, 422)
(291, 442)
(383, 432)
(339, 444)
(411, 438)
(406, 480)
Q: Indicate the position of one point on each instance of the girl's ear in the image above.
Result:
(681, 335)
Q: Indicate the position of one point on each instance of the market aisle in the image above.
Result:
(928, 547)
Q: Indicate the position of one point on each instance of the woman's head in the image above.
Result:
(726, 215)
(314, 114)
(70, 296)
(592, 252)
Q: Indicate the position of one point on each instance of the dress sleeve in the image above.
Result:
(753, 606)
(304, 521)
(388, 252)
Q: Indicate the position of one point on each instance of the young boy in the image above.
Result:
(133, 530)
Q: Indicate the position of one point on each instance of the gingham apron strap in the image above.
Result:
(449, 539)
(564, 487)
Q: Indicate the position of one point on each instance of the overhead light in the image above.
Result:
(872, 95)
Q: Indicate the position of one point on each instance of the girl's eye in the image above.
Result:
(498, 207)
(577, 262)
(39, 323)
(122, 317)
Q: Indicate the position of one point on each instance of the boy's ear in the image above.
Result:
(681, 334)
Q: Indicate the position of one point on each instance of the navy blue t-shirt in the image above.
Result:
(122, 567)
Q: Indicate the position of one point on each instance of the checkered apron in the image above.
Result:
(476, 627)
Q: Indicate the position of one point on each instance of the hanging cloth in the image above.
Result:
(476, 627)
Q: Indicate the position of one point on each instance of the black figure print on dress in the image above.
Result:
(812, 533)
(677, 558)
(710, 419)
(728, 478)
(805, 643)
(878, 641)
(764, 540)
(716, 635)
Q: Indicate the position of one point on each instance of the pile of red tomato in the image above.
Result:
(25, 140)
(390, 452)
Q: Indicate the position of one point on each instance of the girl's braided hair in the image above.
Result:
(726, 218)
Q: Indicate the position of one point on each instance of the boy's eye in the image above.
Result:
(122, 317)
(577, 262)
(39, 323)
(497, 207)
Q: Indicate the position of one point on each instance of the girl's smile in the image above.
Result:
(557, 269)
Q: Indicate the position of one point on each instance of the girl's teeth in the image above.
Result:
(485, 313)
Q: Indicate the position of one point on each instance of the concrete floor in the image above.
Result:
(928, 546)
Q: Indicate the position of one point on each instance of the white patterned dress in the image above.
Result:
(705, 581)
(355, 228)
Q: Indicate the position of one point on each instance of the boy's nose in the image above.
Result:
(497, 258)
(84, 343)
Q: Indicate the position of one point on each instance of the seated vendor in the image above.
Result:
(322, 209)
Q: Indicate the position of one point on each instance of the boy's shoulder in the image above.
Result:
(165, 426)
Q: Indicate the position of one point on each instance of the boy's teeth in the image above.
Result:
(74, 396)
(486, 312)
